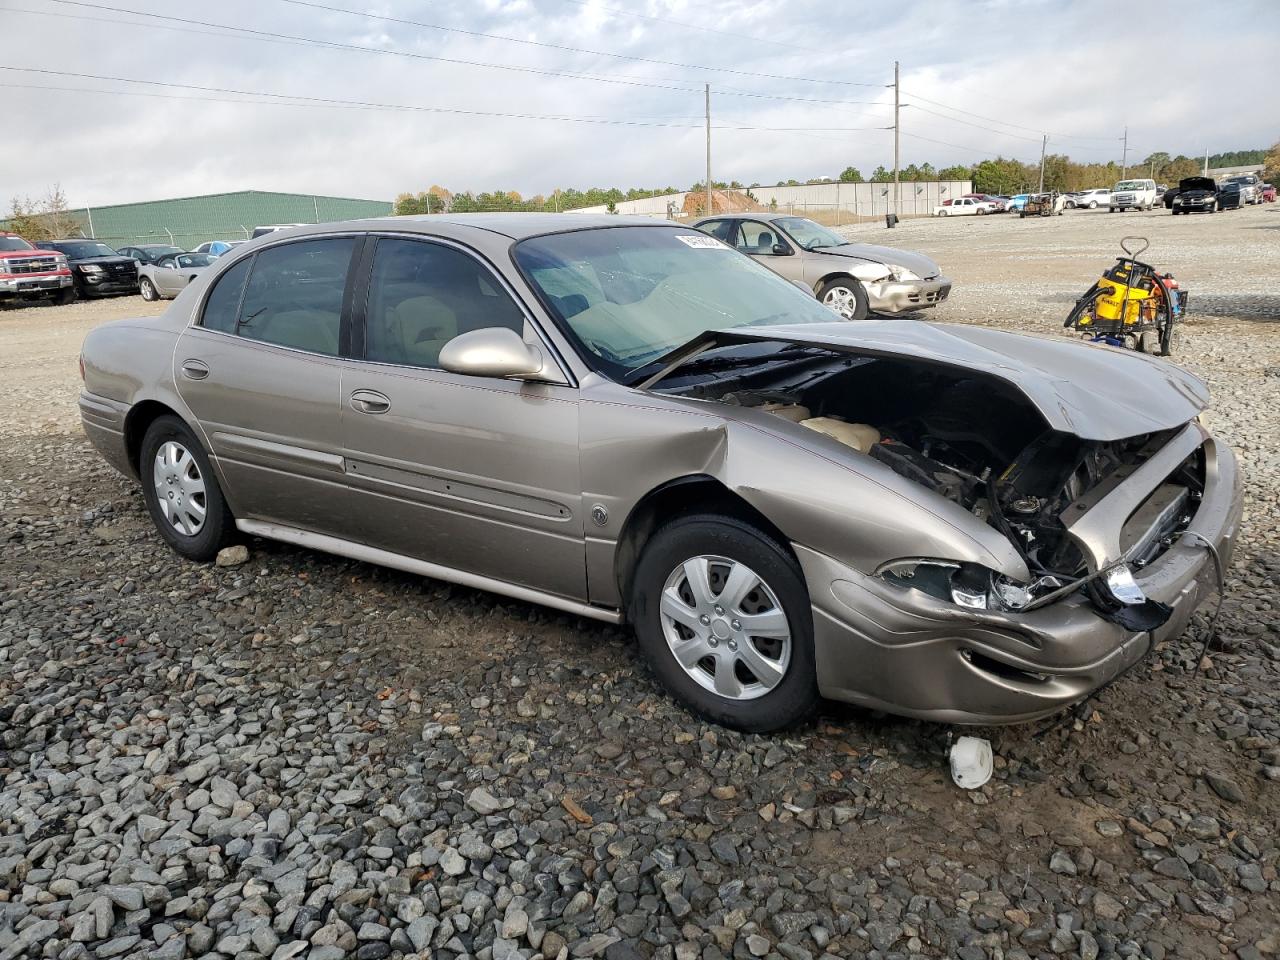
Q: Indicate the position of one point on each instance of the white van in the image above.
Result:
(1133, 195)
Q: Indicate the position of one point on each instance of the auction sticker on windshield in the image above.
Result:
(698, 241)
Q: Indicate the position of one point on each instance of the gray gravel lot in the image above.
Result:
(303, 756)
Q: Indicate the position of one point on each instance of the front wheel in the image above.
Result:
(68, 295)
(722, 616)
(1093, 205)
(182, 494)
(847, 297)
(148, 290)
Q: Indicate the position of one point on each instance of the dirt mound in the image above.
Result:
(722, 201)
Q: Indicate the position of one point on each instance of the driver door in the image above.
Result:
(478, 474)
(169, 282)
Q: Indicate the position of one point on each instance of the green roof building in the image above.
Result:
(188, 222)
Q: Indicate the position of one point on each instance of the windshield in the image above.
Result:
(78, 250)
(808, 234)
(628, 295)
(194, 260)
(14, 243)
(155, 253)
(1133, 185)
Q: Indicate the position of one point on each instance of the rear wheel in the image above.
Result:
(846, 296)
(182, 494)
(722, 616)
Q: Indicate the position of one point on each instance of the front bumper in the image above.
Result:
(100, 284)
(903, 651)
(899, 296)
(24, 286)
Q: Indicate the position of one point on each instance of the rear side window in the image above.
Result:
(294, 295)
(220, 309)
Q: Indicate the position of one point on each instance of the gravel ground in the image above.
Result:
(302, 756)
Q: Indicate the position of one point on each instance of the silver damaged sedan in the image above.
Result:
(629, 421)
(853, 279)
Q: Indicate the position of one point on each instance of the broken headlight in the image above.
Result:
(966, 585)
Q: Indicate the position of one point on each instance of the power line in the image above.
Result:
(421, 56)
(300, 100)
(1006, 123)
(670, 84)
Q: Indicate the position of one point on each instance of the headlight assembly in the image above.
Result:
(91, 268)
(966, 585)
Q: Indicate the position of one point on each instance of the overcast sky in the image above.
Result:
(1078, 71)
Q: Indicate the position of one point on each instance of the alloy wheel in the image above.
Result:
(179, 488)
(842, 300)
(725, 627)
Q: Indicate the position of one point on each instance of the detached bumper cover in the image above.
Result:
(898, 296)
(901, 650)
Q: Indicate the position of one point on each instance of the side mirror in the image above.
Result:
(781, 250)
(491, 352)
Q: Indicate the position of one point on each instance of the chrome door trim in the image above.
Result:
(397, 561)
(284, 451)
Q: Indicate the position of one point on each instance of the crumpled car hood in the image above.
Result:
(917, 263)
(1095, 392)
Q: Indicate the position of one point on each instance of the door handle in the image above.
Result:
(195, 369)
(369, 401)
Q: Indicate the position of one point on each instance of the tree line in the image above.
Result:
(998, 175)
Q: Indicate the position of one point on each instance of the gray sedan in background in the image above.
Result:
(854, 279)
(628, 420)
(169, 275)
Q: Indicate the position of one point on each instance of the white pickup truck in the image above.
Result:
(1133, 195)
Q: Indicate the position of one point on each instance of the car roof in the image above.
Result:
(516, 226)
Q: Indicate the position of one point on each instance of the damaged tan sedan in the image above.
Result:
(630, 421)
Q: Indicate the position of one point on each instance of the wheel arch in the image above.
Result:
(693, 493)
(136, 422)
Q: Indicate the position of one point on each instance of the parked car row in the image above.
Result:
(66, 270)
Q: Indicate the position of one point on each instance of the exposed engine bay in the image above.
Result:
(978, 442)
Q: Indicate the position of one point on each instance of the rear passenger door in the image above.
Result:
(473, 473)
(260, 369)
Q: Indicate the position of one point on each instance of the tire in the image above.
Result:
(148, 290)
(189, 483)
(843, 292)
(66, 296)
(1111, 209)
(720, 685)
(942, 213)
(981, 212)
(1168, 336)
(1093, 204)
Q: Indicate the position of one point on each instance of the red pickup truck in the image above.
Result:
(30, 274)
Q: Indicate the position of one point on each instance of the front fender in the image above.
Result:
(817, 492)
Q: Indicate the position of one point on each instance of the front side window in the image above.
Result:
(757, 238)
(422, 295)
(637, 293)
(294, 295)
(193, 260)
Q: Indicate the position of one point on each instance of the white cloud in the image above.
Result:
(1049, 66)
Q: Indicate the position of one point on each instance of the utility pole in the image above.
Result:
(897, 129)
(1124, 156)
(708, 92)
(1205, 173)
(1044, 144)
